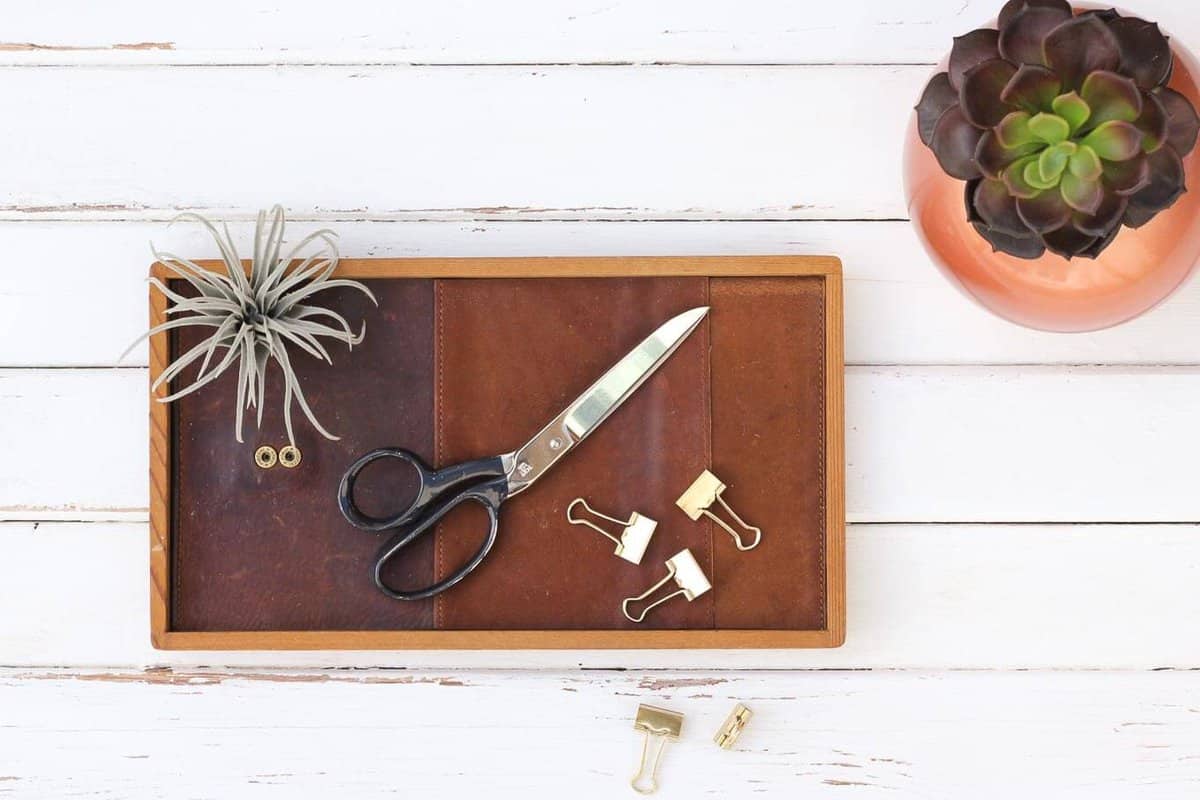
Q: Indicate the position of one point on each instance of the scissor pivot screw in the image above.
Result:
(555, 444)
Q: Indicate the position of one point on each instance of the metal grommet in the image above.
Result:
(265, 457)
(290, 456)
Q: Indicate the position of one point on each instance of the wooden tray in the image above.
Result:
(214, 586)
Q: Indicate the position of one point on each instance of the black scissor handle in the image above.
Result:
(489, 494)
(431, 486)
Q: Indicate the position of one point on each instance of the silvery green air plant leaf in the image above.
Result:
(1062, 125)
(256, 318)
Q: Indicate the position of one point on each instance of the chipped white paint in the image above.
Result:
(513, 735)
(515, 31)
(509, 142)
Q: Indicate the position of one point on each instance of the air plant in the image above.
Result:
(1062, 125)
(256, 318)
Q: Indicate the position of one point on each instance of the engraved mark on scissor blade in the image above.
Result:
(601, 399)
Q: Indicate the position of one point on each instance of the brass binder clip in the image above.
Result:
(700, 496)
(634, 539)
(683, 569)
(662, 726)
(733, 726)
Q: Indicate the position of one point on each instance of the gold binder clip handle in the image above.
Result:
(681, 568)
(662, 726)
(635, 537)
(699, 498)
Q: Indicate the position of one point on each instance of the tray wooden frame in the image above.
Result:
(833, 635)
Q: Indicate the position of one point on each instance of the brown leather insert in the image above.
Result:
(768, 393)
(511, 355)
(257, 549)
(459, 369)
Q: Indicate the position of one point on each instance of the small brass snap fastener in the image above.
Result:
(265, 456)
(289, 456)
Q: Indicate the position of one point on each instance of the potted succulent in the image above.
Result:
(1048, 164)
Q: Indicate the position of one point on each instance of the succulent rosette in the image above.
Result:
(1062, 125)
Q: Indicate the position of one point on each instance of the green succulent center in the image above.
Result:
(1057, 141)
(1064, 146)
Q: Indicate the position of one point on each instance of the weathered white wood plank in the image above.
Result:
(469, 142)
(857, 735)
(525, 31)
(899, 309)
(923, 444)
(925, 597)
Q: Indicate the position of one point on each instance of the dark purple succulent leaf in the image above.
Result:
(1079, 47)
(1136, 216)
(938, 96)
(993, 157)
(1152, 122)
(980, 93)
(1127, 177)
(1110, 96)
(1101, 244)
(1014, 7)
(1106, 14)
(1022, 36)
(1020, 246)
(954, 142)
(1182, 121)
(1032, 89)
(1145, 53)
(1167, 181)
(1014, 179)
(970, 49)
(1044, 213)
(1067, 241)
(969, 200)
(998, 209)
(1115, 141)
(1082, 195)
(1107, 215)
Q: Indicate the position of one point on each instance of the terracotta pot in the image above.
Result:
(1140, 269)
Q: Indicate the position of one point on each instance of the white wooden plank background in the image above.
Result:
(384, 734)
(1021, 501)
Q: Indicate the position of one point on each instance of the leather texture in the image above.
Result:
(459, 369)
(511, 355)
(257, 549)
(768, 395)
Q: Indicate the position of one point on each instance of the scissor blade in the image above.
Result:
(601, 399)
(615, 386)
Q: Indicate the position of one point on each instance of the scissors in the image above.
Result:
(491, 481)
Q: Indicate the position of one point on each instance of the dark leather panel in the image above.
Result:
(471, 368)
(511, 355)
(261, 549)
(768, 392)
